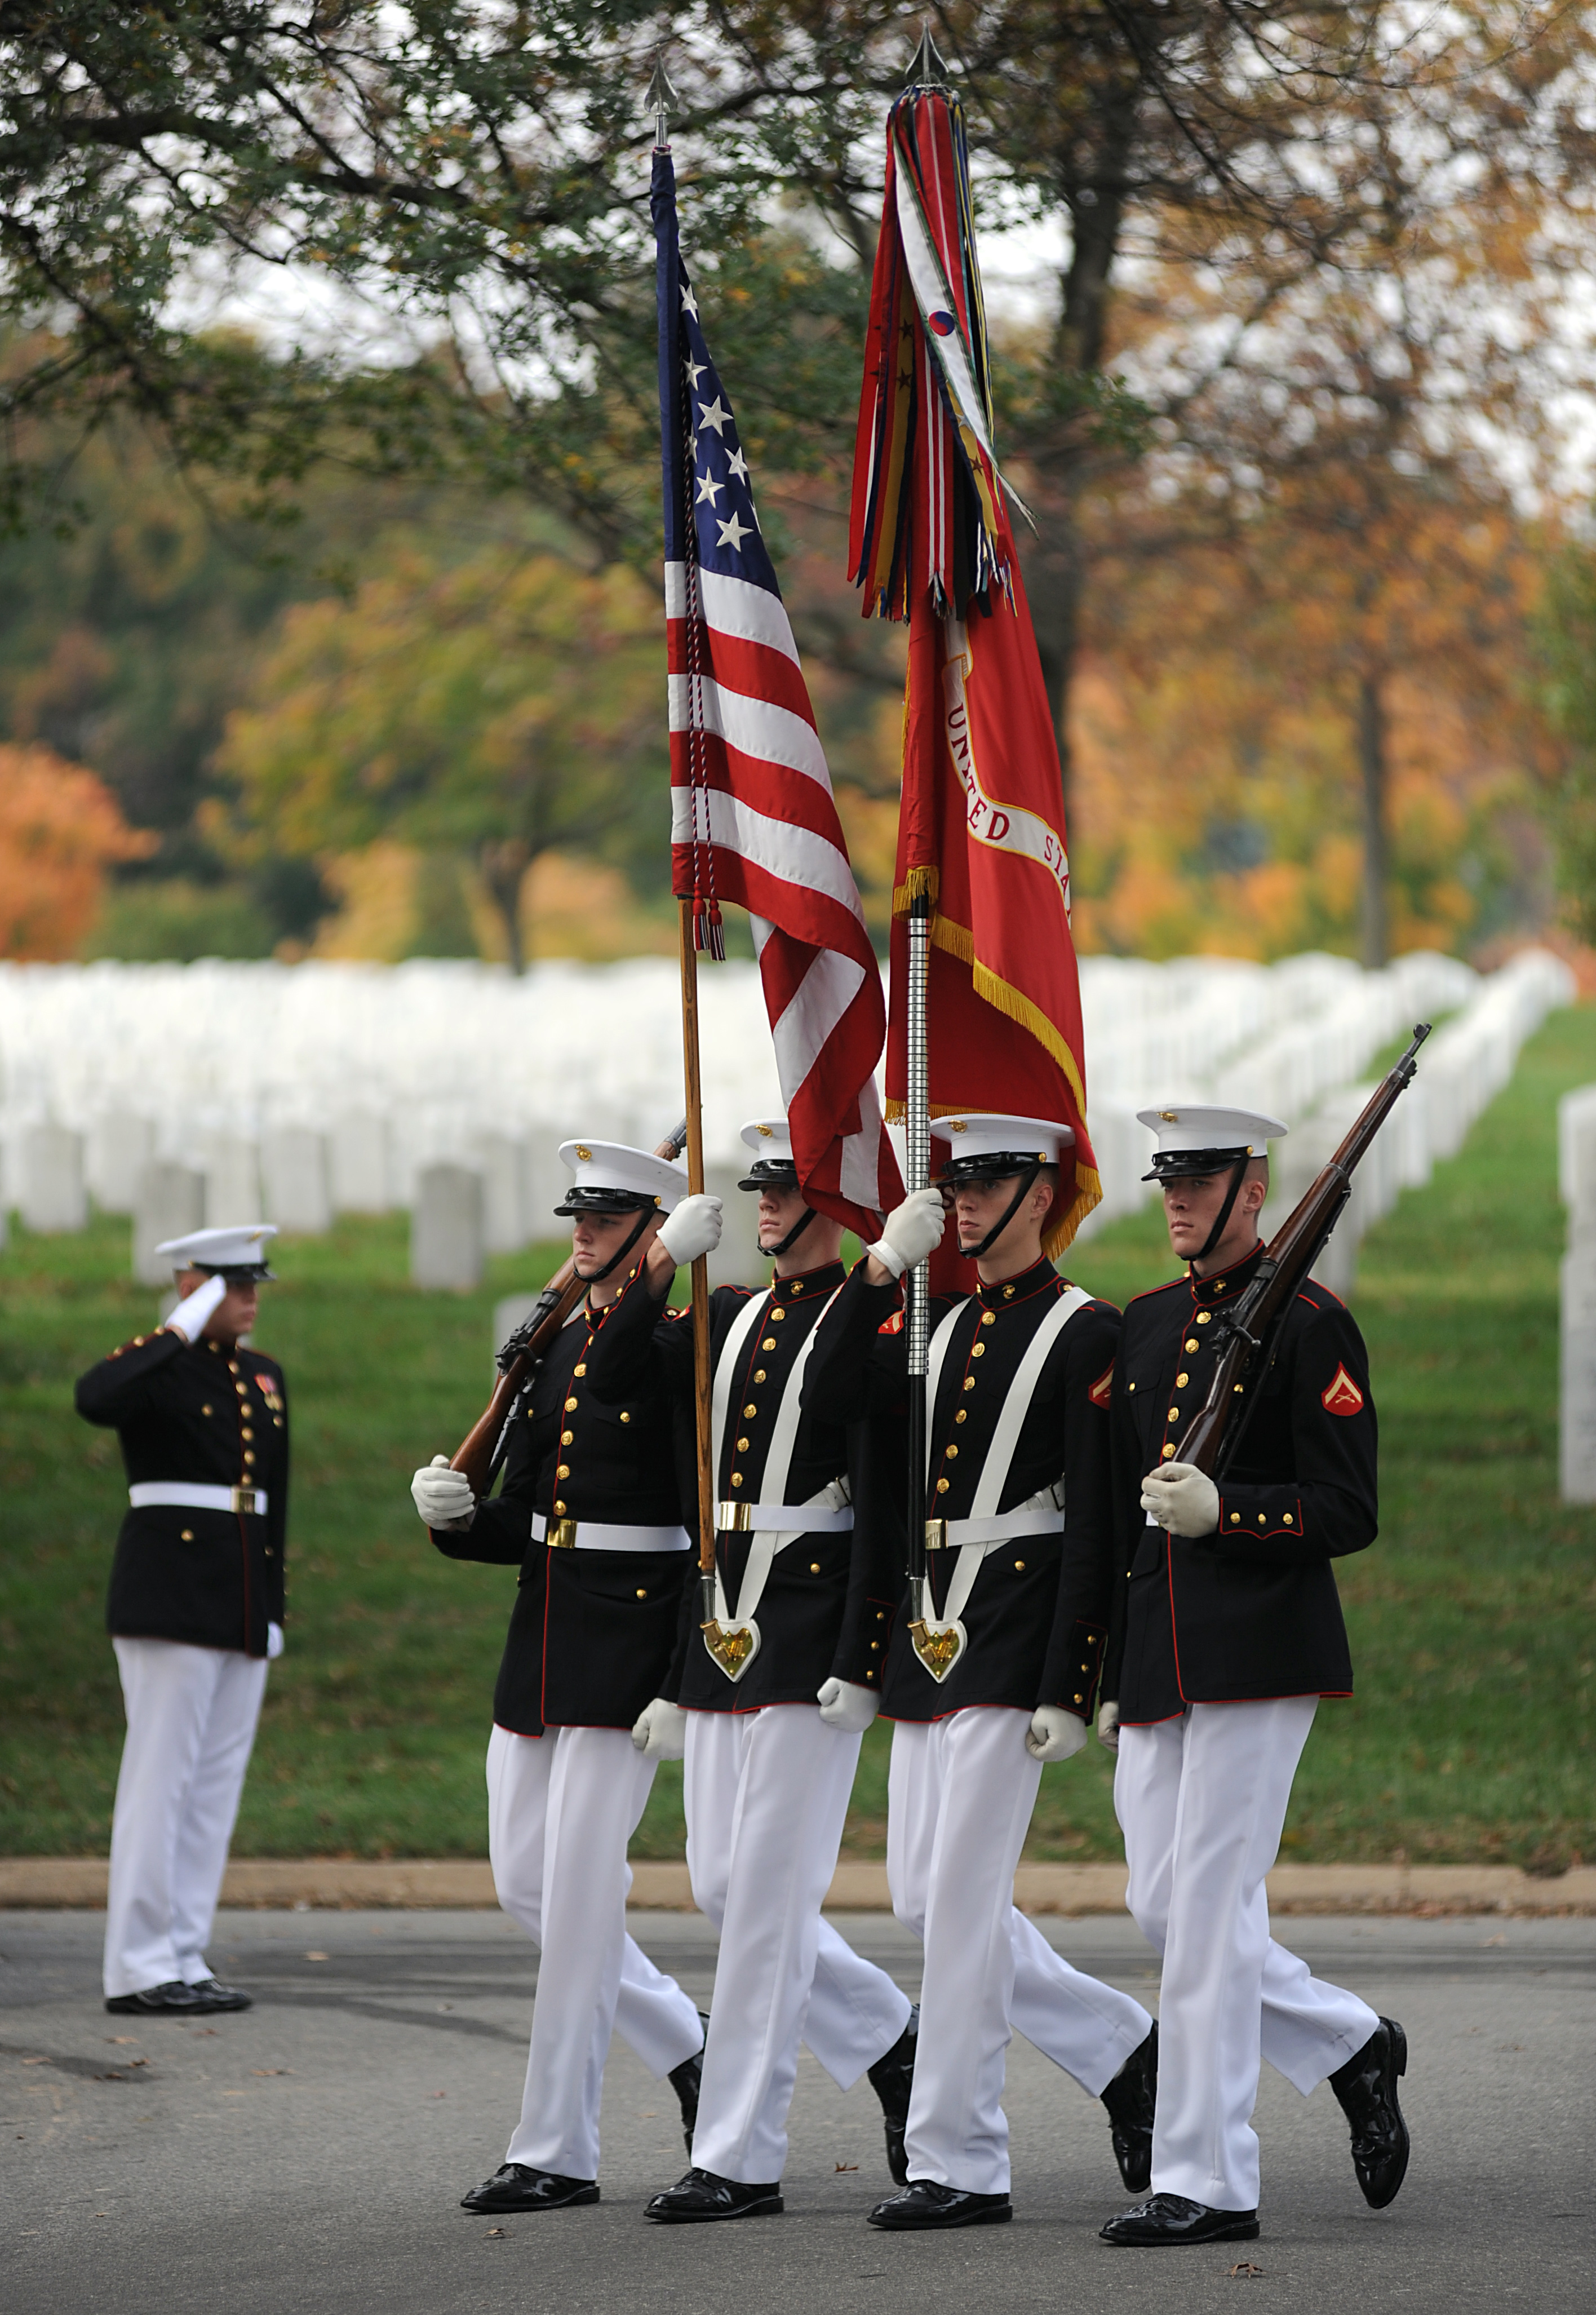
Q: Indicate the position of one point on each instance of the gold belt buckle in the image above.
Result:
(244, 1499)
(562, 1535)
(734, 1519)
(937, 1535)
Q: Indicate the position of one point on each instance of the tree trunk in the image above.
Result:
(1373, 768)
(502, 865)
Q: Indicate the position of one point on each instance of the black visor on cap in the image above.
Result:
(770, 1174)
(236, 1274)
(584, 1199)
(1180, 1164)
(993, 1165)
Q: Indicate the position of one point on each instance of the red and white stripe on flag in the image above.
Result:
(753, 821)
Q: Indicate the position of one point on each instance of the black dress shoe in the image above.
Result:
(1366, 2087)
(892, 2078)
(174, 1998)
(702, 2196)
(925, 2203)
(1171, 2219)
(515, 2188)
(687, 2080)
(1130, 2098)
(215, 1995)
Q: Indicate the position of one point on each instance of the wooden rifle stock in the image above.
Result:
(475, 1456)
(1251, 1327)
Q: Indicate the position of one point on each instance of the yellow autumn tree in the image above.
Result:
(61, 831)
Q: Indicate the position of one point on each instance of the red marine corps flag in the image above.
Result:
(753, 819)
(981, 849)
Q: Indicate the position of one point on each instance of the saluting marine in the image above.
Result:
(591, 1511)
(196, 1609)
(1003, 1677)
(775, 1696)
(1227, 1630)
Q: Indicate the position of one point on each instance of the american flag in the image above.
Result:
(753, 819)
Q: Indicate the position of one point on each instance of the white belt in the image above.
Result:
(1045, 1519)
(597, 1535)
(741, 1519)
(189, 1498)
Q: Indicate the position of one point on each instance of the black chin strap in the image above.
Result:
(1237, 1175)
(793, 1235)
(625, 1247)
(1027, 1184)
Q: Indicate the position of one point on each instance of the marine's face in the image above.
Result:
(235, 1314)
(780, 1210)
(979, 1206)
(1191, 1207)
(598, 1238)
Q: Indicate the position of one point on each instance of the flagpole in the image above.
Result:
(917, 1286)
(661, 102)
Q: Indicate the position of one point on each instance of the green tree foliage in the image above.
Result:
(1567, 634)
(505, 707)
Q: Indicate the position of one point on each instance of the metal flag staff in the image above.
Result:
(698, 913)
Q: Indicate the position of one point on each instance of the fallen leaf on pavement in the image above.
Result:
(318, 1956)
(497, 2230)
(845, 2165)
(1244, 2267)
(265, 2071)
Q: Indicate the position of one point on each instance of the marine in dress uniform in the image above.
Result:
(1227, 1630)
(591, 1513)
(775, 1716)
(1022, 1573)
(196, 1609)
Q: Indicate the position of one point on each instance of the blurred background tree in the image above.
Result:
(59, 832)
(369, 274)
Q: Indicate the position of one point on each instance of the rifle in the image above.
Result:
(483, 1450)
(1250, 1328)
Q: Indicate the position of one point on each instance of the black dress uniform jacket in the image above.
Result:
(1252, 1611)
(815, 1618)
(592, 1633)
(210, 1417)
(1037, 1619)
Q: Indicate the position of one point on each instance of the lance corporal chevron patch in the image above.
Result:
(1342, 1395)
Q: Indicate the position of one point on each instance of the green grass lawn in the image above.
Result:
(1470, 1736)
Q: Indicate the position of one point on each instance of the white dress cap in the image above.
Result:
(1190, 1131)
(610, 1176)
(979, 1141)
(242, 1247)
(769, 1137)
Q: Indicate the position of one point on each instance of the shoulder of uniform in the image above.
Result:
(1319, 1298)
(1156, 1293)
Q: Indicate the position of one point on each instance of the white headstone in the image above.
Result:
(446, 1229)
(547, 1181)
(1577, 1441)
(293, 1162)
(170, 1201)
(119, 1145)
(231, 1169)
(51, 1190)
(359, 1160)
(505, 1193)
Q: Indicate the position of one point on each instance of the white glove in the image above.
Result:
(1055, 1734)
(660, 1730)
(693, 1228)
(1108, 1726)
(844, 1705)
(443, 1497)
(1181, 1498)
(274, 1642)
(188, 1319)
(913, 1230)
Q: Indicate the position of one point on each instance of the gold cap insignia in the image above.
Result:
(1170, 1116)
(957, 1125)
(766, 1131)
(583, 1152)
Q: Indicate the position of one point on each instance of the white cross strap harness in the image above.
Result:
(183, 1496)
(986, 1530)
(734, 1639)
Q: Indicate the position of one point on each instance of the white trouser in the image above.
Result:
(960, 1796)
(1203, 1799)
(191, 1715)
(767, 1797)
(560, 1809)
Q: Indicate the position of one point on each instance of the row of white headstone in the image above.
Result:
(1576, 1184)
(170, 1093)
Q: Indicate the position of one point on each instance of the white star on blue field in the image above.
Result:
(728, 528)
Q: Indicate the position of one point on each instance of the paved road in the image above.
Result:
(308, 2155)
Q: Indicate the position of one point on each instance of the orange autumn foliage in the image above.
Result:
(60, 830)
